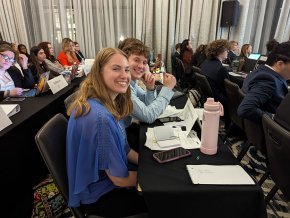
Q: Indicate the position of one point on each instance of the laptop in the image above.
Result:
(249, 65)
(41, 87)
(254, 56)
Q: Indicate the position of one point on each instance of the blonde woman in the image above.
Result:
(246, 50)
(97, 148)
(67, 57)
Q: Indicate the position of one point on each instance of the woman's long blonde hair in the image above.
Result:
(94, 87)
(71, 56)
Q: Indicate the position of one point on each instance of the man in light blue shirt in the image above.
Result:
(147, 105)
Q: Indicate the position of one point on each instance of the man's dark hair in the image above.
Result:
(271, 44)
(280, 53)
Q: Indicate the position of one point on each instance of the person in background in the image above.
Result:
(97, 150)
(38, 65)
(67, 57)
(246, 50)
(212, 68)
(186, 53)
(23, 50)
(7, 86)
(245, 53)
(20, 72)
(233, 52)
(14, 46)
(174, 62)
(271, 44)
(265, 88)
(50, 60)
(199, 55)
(79, 54)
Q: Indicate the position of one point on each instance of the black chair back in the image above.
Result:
(278, 152)
(233, 102)
(51, 142)
(204, 86)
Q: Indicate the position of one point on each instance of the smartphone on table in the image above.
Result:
(170, 155)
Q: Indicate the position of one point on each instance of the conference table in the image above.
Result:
(169, 191)
(21, 165)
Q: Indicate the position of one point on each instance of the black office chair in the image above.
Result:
(204, 86)
(233, 102)
(51, 142)
(278, 155)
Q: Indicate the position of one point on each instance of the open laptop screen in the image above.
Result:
(254, 56)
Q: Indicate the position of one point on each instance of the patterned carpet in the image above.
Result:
(277, 207)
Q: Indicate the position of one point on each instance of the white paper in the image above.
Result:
(5, 121)
(56, 84)
(219, 175)
(163, 133)
(169, 143)
(188, 142)
(170, 111)
(10, 109)
(175, 124)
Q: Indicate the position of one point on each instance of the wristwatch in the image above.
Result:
(7, 93)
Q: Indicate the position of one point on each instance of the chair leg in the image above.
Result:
(264, 177)
(244, 151)
(271, 194)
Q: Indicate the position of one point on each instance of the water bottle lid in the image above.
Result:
(211, 105)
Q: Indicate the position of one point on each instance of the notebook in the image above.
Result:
(41, 87)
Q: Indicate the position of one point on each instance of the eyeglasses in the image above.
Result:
(6, 58)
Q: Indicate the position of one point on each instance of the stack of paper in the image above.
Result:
(219, 175)
(171, 111)
(190, 141)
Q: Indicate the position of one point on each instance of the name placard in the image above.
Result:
(56, 84)
(5, 121)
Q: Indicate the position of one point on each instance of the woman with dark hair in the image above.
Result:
(50, 60)
(186, 53)
(79, 54)
(38, 65)
(23, 50)
(212, 68)
(199, 55)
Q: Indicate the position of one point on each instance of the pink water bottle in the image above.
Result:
(210, 126)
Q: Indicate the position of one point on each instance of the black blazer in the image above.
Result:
(26, 82)
(265, 89)
(216, 73)
(80, 56)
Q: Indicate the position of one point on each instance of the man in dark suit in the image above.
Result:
(266, 87)
(174, 62)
